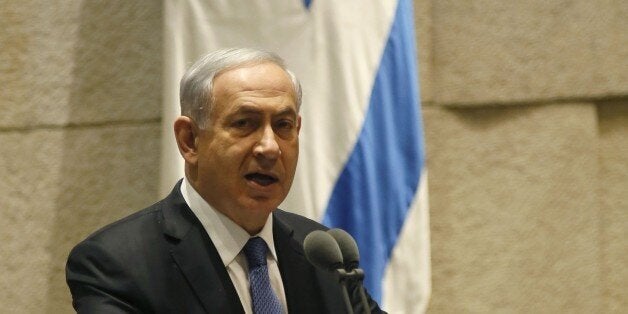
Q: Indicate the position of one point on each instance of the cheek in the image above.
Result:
(237, 147)
(230, 156)
(290, 154)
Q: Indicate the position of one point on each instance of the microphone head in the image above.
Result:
(322, 250)
(348, 248)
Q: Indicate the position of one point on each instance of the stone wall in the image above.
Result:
(80, 86)
(526, 122)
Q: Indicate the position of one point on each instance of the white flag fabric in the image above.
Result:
(361, 163)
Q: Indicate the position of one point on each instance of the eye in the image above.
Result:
(285, 124)
(241, 123)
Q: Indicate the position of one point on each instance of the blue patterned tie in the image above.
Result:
(264, 299)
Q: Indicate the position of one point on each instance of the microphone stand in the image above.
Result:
(359, 278)
(343, 277)
(356, 275)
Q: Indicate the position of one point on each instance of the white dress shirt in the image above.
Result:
(229, 239)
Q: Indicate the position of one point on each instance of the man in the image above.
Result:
(192, 252)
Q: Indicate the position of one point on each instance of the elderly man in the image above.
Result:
(217, 243)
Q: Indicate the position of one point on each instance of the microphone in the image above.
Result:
(336, 251)
(348, 248)
(322, 250)
(351, 260)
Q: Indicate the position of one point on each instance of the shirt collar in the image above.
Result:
(228, 237)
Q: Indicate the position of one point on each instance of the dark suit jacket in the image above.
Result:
(160, 260)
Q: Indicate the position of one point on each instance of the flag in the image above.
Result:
(361, 162)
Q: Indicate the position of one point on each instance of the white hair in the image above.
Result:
(196, 87)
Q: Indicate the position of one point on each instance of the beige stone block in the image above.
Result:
(36, 61)
(613, 187)
(513, 209)
(30, 165)
(58, 186)
(69, 62)
(494, 51)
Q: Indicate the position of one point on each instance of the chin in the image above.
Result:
(262, 204)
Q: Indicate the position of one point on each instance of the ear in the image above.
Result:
(298, 124)
(185, 133)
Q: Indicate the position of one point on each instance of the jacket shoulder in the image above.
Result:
(301, 225)
(136, 223)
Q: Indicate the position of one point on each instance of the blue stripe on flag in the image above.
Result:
(380, 180)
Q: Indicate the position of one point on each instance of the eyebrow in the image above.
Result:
(251, 109)
(287, 111)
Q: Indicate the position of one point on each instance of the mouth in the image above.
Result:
(261, 178)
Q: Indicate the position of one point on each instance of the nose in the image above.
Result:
(267, 146)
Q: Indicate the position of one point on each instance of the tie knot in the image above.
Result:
(255, 251)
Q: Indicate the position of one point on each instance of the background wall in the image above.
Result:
(80, 101)
(526, 119)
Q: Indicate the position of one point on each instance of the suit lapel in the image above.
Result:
(197, 258)
(307, 290)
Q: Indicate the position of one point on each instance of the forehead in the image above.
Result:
(266, 78)
(263, 87)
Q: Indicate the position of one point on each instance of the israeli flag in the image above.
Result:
(361, 165)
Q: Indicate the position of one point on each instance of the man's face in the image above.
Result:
(248, 154)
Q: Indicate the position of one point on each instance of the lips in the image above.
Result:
(261, 178)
